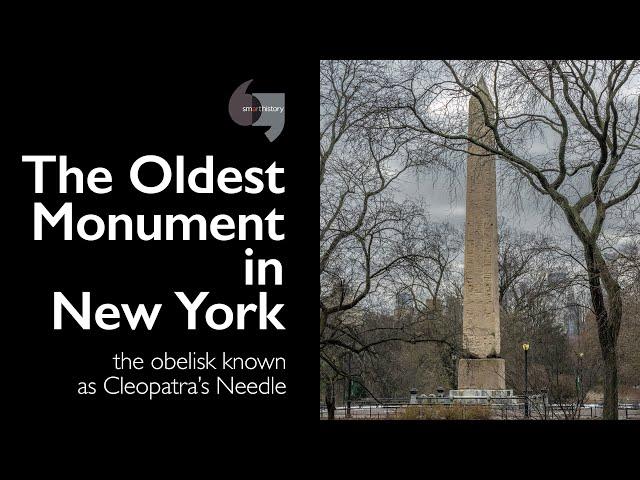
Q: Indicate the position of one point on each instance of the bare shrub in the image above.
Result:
(456, 411)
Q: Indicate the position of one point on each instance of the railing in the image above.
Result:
(509, 408)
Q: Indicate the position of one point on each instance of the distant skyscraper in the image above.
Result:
(404, 303)
(569, 315)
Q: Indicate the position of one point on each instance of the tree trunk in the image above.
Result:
(330, 401)
(608, 349)
(608, 326)
(610, 385)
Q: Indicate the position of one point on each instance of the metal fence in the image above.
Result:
(511, 408)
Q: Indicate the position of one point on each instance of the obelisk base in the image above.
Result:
(481, 373)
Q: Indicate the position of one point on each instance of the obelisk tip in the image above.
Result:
(482, 86)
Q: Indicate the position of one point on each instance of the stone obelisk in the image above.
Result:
(482, 369)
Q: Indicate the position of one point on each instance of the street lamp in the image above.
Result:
(349, 386)
(525, 347)
(579, 379)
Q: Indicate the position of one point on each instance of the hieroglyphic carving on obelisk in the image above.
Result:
(481, 311)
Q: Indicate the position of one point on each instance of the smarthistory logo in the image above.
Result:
(258, 109)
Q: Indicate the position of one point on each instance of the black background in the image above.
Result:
(107, 106)
(106, 97)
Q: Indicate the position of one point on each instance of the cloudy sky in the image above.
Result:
(444, 198)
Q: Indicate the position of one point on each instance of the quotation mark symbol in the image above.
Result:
(258, 109)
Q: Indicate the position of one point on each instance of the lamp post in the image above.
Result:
(454, 363)
(525, 347)
(579, 380)
(348, 413)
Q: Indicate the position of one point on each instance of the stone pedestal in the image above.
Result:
(481, 373)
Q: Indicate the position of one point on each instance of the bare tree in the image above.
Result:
(372, 244)
(363, 227)
(358, 216)
(432, 258)
(518, 253)
(567, 129)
